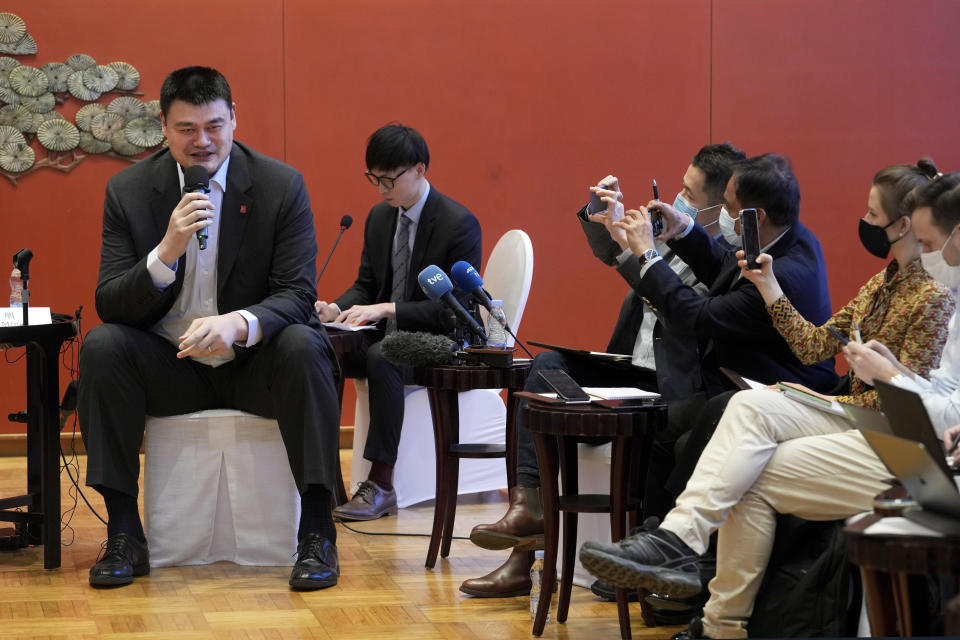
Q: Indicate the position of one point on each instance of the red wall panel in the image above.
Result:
(524, 103)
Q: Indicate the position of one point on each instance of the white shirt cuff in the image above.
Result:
(689, 228)
(254, 333)
(646, 265)
(162, 275)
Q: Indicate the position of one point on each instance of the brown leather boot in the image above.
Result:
(510, 579)
(520, 527)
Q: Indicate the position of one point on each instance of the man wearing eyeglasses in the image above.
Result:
(414, 227)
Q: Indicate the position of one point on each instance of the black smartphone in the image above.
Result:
(596, 205)
(836, 334)
(656, 219)
(565, 386)
(750, 231)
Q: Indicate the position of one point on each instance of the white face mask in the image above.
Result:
(727, 228)
(934, 264)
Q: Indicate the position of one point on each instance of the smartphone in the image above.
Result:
(836, 334)
(750, 231)
(656, 219)
(630, 403)
(596, 205)
(565, 386)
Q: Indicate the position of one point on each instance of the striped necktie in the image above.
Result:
(401, 266)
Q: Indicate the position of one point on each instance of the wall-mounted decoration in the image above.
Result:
(35, 135)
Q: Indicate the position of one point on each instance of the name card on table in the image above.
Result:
(13, 316)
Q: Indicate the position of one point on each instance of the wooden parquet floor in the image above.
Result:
(384, 590)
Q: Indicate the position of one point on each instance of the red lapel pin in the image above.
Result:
(243, 208)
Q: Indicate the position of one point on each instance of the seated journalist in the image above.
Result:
(773, 455)
(414, 227)
(185, 329)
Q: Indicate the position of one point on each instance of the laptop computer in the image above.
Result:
(924, 479)
(908, 419)
(867, 419)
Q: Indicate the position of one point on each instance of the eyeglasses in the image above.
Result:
(376, 180)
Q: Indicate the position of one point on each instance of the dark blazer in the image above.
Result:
(266, 254)
(678, 361)
(447, 232)
(731, 323)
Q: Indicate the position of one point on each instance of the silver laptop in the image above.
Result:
(921, 474)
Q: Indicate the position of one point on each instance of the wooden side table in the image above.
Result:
(556, 430)
(886, 561)
(444, 383)
(43, 342)
(343, 343)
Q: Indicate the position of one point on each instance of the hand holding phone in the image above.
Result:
(750, 231)
(656, 220)
(565, 386)
(836, 334)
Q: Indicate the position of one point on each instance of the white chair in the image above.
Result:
(217, 486)
(507, 276)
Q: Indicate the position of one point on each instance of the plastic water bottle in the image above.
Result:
(16, 289)
(496, 321)
(536, 575)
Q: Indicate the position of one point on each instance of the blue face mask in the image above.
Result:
(681, 205)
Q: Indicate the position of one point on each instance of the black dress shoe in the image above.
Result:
(370, 502)
(694, 631)
(608, 593)
(121, 558)
(317, 566)
(656, 560)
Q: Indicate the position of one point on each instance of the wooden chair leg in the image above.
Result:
(547, 459)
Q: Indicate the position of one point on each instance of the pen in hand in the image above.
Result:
(953, 447)
(856, 332)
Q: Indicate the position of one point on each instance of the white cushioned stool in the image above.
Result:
(217, 486)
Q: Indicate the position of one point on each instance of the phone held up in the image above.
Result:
(566, 387)
(656, 218)
(596, 205)
(750, 231)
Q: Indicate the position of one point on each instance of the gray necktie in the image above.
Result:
(401, 265)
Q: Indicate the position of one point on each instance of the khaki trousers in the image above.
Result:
(769, 455)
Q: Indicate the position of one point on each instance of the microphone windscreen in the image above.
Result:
(465, 276)
(346, 221)
(434, 283)
(417, 348)
(195, 177)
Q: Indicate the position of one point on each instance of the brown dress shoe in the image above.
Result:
(520, 527)
(510, 579)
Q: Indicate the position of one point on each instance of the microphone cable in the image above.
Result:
(393, 533)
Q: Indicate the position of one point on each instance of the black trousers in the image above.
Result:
(127, 373)
(385, 381)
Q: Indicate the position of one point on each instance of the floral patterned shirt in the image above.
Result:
(907, 311)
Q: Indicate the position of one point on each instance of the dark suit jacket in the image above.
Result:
(731, 323)
(267, 248)
(678, 361)
(447, 232)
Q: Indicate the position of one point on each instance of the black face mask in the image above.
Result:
(874, 238)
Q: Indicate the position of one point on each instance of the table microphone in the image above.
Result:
(417, 348)
(437, 286)
(196, 178)
(345, 223)
(467, 278)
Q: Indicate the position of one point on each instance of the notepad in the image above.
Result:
(830, 406)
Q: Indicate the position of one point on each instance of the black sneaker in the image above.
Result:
(656, 560)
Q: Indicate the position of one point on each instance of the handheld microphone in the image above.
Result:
(196, 178)
(438, 287)
(467, 278)
(417, 348)
(345, 223)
